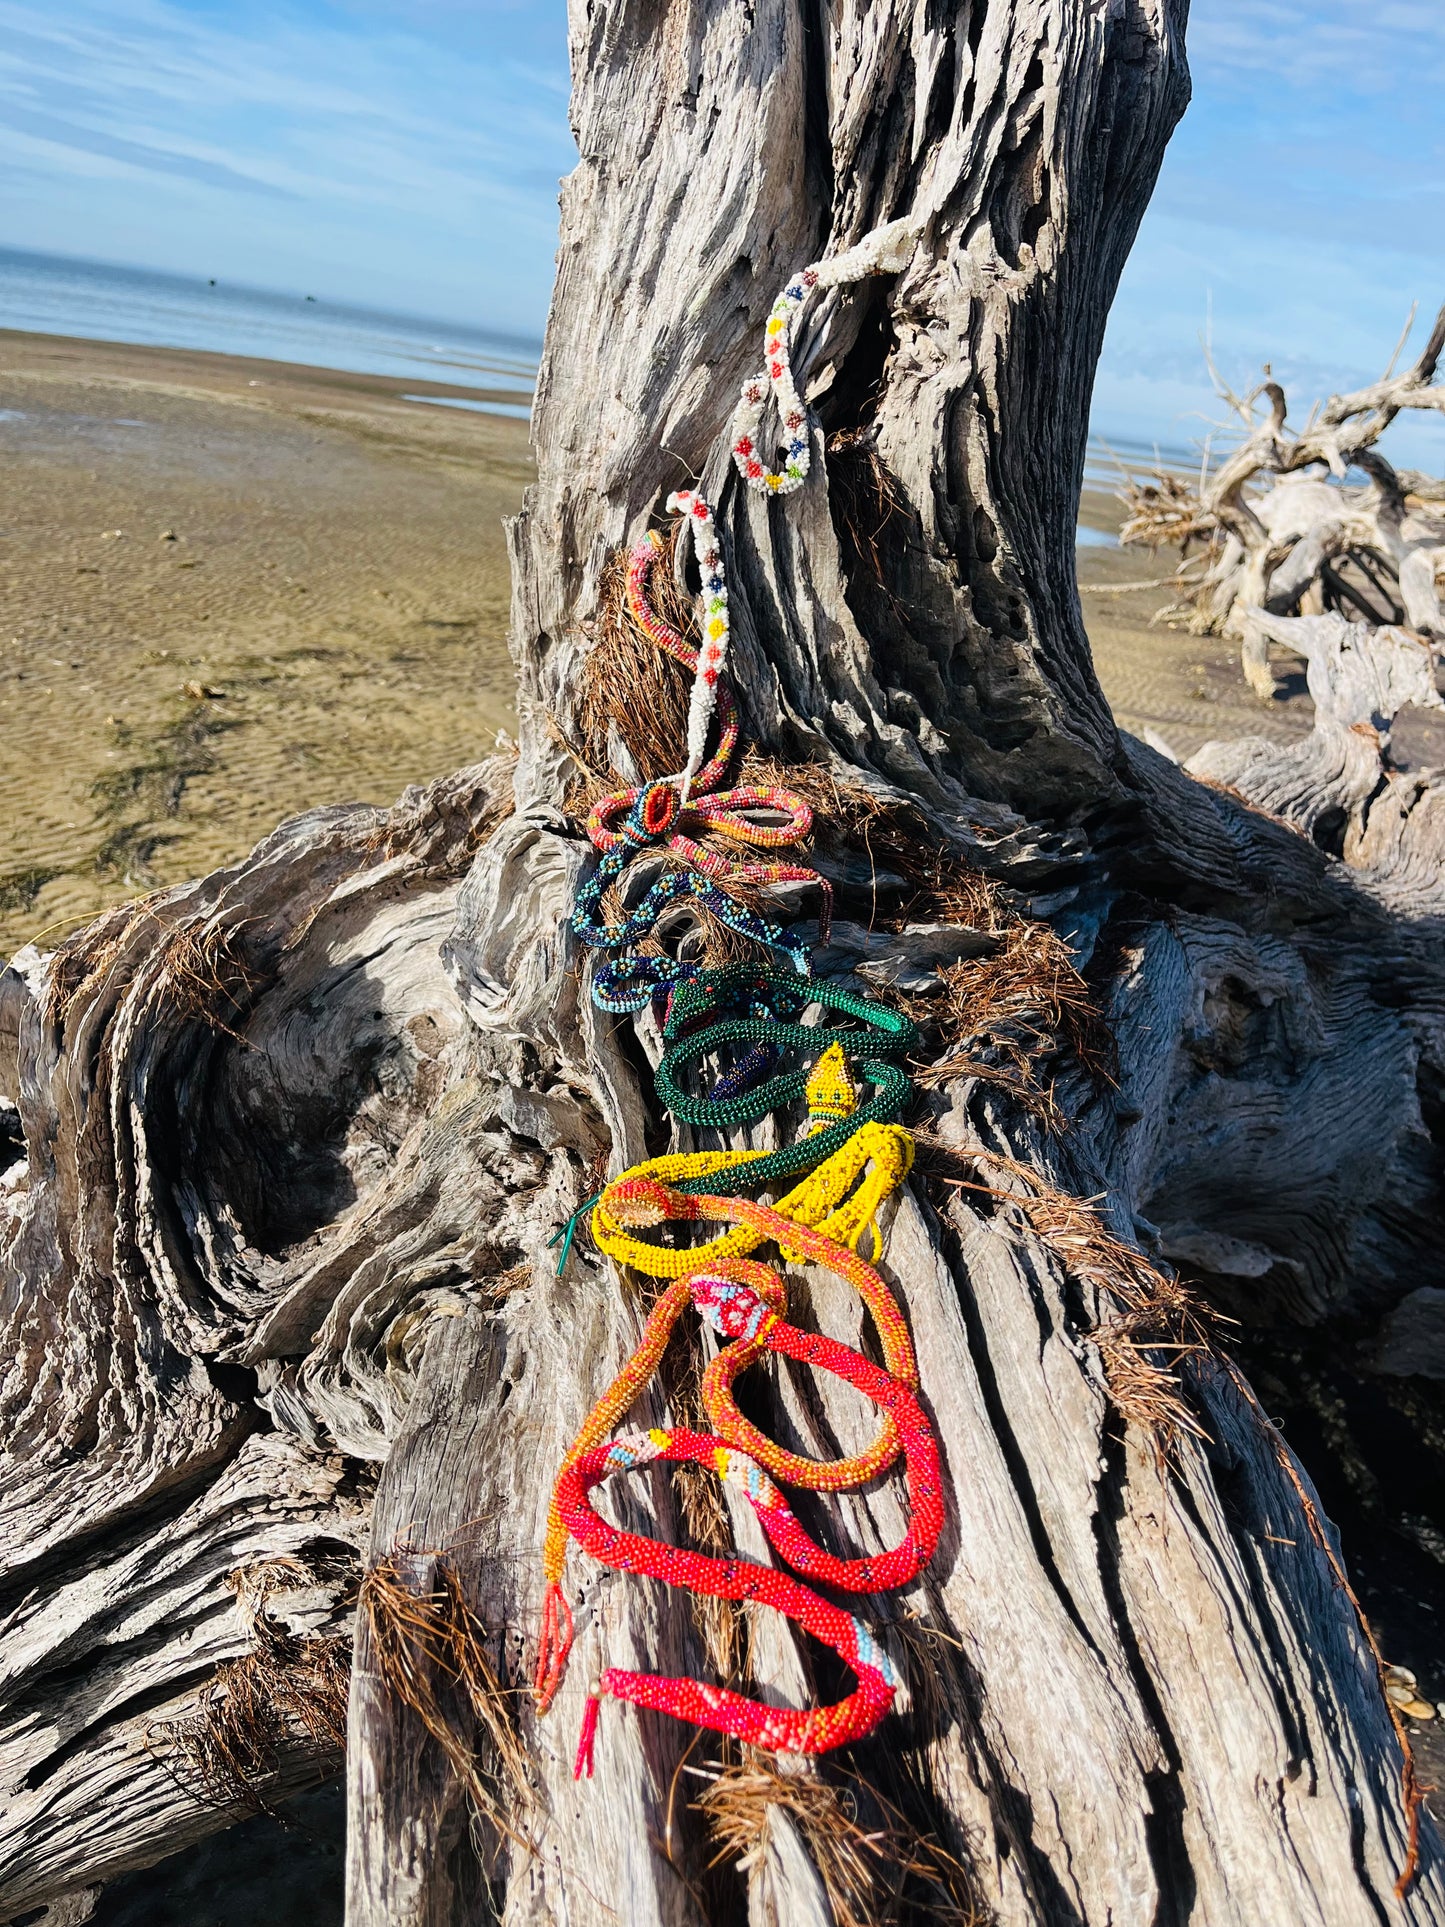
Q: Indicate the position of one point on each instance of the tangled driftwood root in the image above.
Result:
(1282, 525)
(431, 1651)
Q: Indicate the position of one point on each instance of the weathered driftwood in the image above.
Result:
(299, 1137)
(1278, 527)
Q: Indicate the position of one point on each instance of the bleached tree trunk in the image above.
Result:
(299, 1136)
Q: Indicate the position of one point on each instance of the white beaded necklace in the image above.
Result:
(886, 250)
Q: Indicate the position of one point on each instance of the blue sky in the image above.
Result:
(402, 154)
(405, 154)
(1299, 214)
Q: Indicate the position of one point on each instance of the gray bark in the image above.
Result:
(298, 1136)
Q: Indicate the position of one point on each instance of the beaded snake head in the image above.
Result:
(733, 1309)
(636, 1202)
(652, 815)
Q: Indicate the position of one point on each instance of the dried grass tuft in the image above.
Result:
(1157, 1319)
(1164, 512)
(285, 1689)
(632, 691)
(1023, 1003)
(874, 1872)
(88, 955)
(205, 976)
(201, 970)
(430, 1649)
(864, 498)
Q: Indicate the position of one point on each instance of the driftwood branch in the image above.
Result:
(1280, 526)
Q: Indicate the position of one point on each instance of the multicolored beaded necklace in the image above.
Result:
(849, 1157)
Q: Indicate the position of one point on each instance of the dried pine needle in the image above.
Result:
(873, 1875)
(430, 1649)
(1156, 1319)
(285, 1689)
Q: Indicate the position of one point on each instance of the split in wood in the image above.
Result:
(1156, 1318)
(1412, 1794)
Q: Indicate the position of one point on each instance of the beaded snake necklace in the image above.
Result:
(850, 1156)
(738, 1312)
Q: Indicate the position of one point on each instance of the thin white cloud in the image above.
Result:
(1289, 44)
(1301, 205)
(387, 145)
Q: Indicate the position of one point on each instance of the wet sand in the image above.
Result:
(234, 589)
(231, 589)
(1162, 682)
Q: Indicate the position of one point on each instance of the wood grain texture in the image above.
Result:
(300, 1137)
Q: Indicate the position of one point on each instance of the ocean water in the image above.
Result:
(56, 295)
(1110, 458)
(60, 295)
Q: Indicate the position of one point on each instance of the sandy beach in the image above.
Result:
(234, 589)
(231, 589)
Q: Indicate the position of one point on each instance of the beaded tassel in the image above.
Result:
(739, 1313)
(840, 1198)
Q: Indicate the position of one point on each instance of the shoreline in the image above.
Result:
(238, 588)
(217, 372)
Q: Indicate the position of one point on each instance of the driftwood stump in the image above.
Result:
(281, 1310)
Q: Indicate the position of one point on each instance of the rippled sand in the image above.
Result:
(1162, 682)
